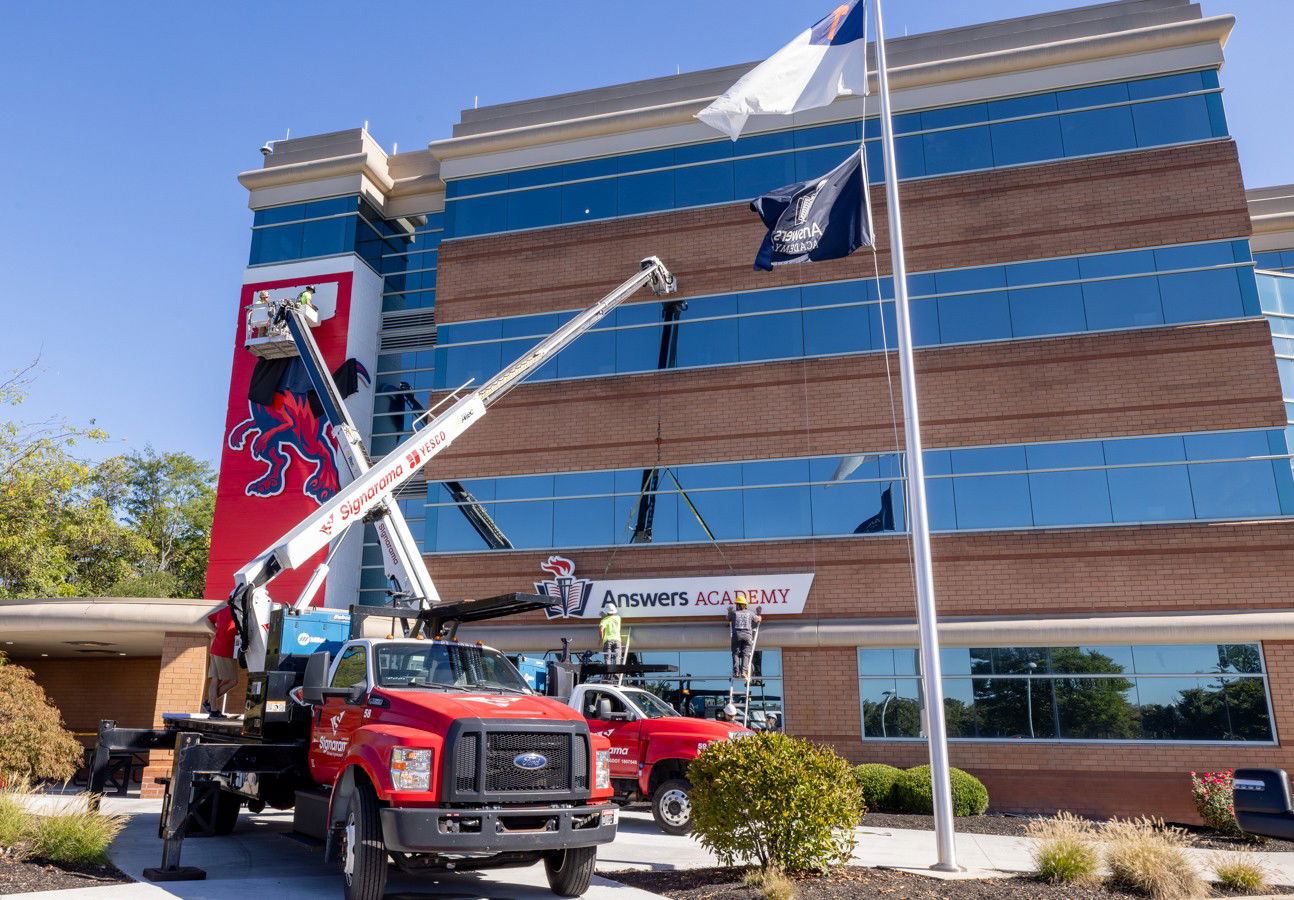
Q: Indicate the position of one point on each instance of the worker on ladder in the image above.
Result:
(743, 622)
(609, 626)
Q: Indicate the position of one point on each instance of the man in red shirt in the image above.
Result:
(222, 668)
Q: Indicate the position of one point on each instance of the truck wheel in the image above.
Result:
(671, 806)
(363, 855)
(218, 808)
(226, 813)
(569, 871)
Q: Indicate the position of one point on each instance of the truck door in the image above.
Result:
(622, 730)
(337, 719)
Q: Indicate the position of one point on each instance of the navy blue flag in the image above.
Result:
(825, 218)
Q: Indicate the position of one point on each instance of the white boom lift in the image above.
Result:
(282, 328)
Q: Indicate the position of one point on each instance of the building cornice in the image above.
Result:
(1213, 30)
(366, 163)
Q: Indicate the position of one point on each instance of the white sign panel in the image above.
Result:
(639, 598)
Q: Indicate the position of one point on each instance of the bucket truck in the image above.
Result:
(413, 749)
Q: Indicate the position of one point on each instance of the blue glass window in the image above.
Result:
(1122, 303)
(1026, 141)
(958, 150)
(1171, 121)
(1097, 131)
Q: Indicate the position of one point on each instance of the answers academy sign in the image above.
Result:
(639, 598)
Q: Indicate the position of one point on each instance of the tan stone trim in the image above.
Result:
(1215, 29)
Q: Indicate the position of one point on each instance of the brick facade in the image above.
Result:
(1097, 385)
(88, 690)
(1146, 568)
(1030, 212)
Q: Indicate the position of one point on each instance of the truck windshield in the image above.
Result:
(652, 707)
(458, 666)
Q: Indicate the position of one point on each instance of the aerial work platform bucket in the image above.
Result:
(267, 331)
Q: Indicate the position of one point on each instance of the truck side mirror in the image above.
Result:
(316, 676)
(604, 709)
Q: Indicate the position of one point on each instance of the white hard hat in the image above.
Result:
(610, 608)
(730, 711)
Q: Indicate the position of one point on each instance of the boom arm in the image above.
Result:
(374, 487)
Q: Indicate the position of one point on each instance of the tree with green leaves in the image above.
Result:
(168, 500)
(57, 538)
(134, 525)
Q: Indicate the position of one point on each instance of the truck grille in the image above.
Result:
(503, 774)
(465, 762)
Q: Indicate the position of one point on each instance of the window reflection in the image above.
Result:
(1077, 693)
(848, 317)
(1054, 126)
(1037, 485)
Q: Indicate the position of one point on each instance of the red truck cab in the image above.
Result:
(437, 754)
(651, 746)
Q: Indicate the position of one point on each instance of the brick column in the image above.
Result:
(181, 683)
(821, 688)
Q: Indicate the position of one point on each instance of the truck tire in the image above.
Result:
(569, 871)
(225, 817)
(218, 808)
(363, 856)
(671, 806)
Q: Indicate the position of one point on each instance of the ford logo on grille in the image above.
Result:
(530, 761)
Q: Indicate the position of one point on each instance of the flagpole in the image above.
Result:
(919, 520)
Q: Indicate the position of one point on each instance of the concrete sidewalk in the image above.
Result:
(262, 858)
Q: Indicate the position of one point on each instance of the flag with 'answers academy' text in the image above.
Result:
(822, 63)
(809, 221)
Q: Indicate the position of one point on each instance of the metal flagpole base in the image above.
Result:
(947, 867)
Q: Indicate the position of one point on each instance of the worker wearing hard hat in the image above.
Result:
(609, 627)
(742, 624)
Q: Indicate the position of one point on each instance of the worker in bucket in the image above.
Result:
(306, 297)
(742, 624)
(222, 668)
(609, 626)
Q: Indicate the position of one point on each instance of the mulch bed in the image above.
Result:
(18, 876)
(1200, 837)
(725, 884)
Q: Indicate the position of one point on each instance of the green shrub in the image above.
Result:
(1241, 871)
(876, 781)
(15, 820)
(74, 835)
(776, 800)
(1147, 857)
(1066, 850)
(33, 742)
(912, 793)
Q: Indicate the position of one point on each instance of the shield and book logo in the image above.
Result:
(571, 591)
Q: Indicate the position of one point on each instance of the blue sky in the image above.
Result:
(124, 232)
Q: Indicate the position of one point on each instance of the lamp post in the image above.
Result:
(888, 695)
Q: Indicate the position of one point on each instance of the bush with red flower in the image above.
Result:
(1215, 800)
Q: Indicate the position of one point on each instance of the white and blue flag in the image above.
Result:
(822, 63)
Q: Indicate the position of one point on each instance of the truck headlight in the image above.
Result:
(602, 770)
(411, 768)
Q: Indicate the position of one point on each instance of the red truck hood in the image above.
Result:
(701, 729)
(442, 706)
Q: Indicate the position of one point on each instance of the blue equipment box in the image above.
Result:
(535, 671)
(301, 633)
